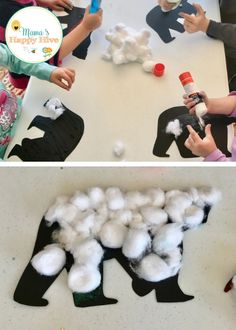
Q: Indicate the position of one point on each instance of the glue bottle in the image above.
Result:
(192, 91)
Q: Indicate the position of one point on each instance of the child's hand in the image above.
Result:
(200, 147)
(92, 21)
(195, 23)
(63, 77)
(190, 103)
(58, 5)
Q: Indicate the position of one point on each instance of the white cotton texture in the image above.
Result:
(123, 217)
(54, 108)
(65, 236)
(136, 199)
(137, 241)
(209, 195)
(50, 260)
(176, 203)
(115, 199)
(62, 213)
(152, 268)
(173, 258)
(173, 127)
(84, 222)
(193, 216)
(81, 201)
(87, 252)
(118, 149)
(157, 196)
(148, 66)
(96, 196)
(112, 235)
(154, 215)
(128, 45)
(83, 278)
(167, 238)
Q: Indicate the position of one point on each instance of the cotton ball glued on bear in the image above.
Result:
(167, 238)
(50, 260)
(83, 278)
(128, 45)
(113, 234)
(153, 269)
(54, 108)
(136, 243)
(87, 252)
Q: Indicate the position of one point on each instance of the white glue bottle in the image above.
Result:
(192, 91)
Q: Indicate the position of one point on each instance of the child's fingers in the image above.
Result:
(67, 4)
(71, 74)
(194, 137)
(67, 78)
(61, 84)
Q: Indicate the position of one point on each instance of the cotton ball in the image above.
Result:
(123, 217)
(176, 204)
(154, 215)
(65, 237)
(62, 213)
(83, 278)
(97, 226)
(209, 195)
(137, 222)
(153, 269)
(136, 199)
(49, 261)
(157, 196)
(96, 196)
(50, 214)
(136, 243)
(112, 235)
(148, 66)
(173, 259)
(84, 222)
(118, 149)
(54, 108)
(193, 216)
(173, 127)
(115, 199)
(89, 251)
(81, 201)
(167, 238)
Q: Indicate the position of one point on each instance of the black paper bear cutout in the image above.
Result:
(73, 18)
(162, 22)
(32, 286)
(61, 137)
(164, 140)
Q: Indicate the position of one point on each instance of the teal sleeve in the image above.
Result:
(40, 70)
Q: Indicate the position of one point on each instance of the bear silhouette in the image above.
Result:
(162, 22)
(60, 139)
(32, 286)
(164, 140)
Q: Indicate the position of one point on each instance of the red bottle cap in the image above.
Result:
(185, 78)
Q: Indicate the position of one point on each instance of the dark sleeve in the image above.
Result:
(223, 31)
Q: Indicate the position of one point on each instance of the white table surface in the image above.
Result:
(123, 103)
(208, 260)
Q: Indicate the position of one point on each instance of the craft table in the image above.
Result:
(123, 103)
(208, 259)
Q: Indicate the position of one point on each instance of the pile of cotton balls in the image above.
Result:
(147, 225)
(128, 45)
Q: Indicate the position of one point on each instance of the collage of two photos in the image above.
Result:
(117, 149)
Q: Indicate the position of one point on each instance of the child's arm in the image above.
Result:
(42, 71)
(223, 105)
(89, 23)
(55, 4)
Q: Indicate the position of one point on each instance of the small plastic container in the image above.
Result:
(159, 69)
